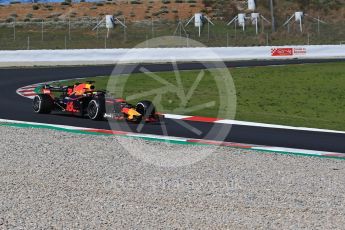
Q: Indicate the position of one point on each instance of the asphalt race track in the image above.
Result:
(15, 107)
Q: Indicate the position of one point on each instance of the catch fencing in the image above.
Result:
(70, 33)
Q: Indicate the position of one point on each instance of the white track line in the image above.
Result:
(175, 116)
(37, 123)
(264, 125)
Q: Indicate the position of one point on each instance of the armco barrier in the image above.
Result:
(158, 55)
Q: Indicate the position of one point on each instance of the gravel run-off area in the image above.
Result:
(54, 179)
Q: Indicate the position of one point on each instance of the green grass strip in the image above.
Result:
(309, 95)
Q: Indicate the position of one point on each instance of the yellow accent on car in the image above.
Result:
(131, 113)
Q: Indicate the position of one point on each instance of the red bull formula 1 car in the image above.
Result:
(82, 99)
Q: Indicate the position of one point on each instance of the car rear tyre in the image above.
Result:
(42, 103)
(146, 109)
(95, 109)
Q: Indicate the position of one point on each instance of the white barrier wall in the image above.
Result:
(158, 55)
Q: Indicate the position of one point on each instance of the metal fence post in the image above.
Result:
(208, 31)
(152, 28)
(69, 28)
(97, 28)
(42, 29)
(308, 39)
(262, 25)
(147, 41)
(28, 43)
(124, 31)
(14, 29)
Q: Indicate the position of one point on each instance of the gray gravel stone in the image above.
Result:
(51, 179)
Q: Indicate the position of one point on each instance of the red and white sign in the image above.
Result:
(282, 52)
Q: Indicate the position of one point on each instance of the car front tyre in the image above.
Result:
(95, 110)
(42, 103)
(146, 109)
